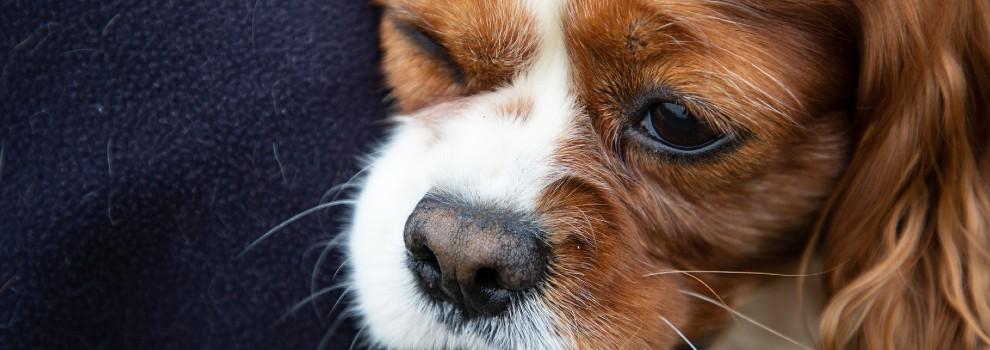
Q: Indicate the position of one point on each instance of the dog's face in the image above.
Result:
(625, 138)
(555, 163)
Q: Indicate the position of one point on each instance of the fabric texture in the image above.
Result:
(145, 144)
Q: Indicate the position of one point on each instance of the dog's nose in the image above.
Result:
(476, 258)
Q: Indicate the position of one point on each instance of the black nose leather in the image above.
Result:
(476, 258)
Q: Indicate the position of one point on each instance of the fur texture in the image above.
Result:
(859, 134)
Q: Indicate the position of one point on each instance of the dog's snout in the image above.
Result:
(476, 258)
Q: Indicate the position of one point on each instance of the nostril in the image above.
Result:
(486, 279)
(492, 298)
(423, 262)
(425, 255)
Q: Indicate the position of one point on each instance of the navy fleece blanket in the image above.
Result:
(145, 143)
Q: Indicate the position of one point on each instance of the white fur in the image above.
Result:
(481, 156)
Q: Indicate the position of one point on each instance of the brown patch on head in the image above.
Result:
(778, 77)
(626, 210)
(731, 65)
(481, 46)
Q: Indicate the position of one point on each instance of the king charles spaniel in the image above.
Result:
(605, 174)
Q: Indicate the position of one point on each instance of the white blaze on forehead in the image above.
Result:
(487, 157)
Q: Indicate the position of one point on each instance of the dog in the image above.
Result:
(604, 174)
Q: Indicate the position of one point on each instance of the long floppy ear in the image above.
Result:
(906, 238)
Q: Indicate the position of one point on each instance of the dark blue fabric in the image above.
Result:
(145, 143)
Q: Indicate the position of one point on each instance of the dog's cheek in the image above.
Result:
(780, 208)
(764, 220)
(598, 288)
(607, 299)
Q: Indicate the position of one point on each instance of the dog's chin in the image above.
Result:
(521, 326)
(413, 321)
(460, 322)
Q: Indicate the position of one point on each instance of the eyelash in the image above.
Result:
(432, 46)
(646, 103)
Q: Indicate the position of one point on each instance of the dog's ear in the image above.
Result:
(906, 237)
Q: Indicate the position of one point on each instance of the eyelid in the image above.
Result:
(636, 107)
(711, 116)
(430, 45)
(700, 108)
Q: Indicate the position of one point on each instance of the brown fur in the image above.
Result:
(744, 210)
(907, 236)
(488, 41)
(869, 117)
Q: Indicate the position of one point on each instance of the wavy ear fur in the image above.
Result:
(906, 238)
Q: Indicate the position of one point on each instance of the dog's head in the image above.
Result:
(562, 172)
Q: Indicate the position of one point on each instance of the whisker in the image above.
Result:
(336, 191)
(291, 220)
(678, 331)
(339, 188)
(337, 240)
(357, 337)
(735, 273)
(331, 195)
(318, 245)
(710, 289)
(332, 308)
(328, 247)
(747, 318)
(323, 341)
(317, 268)
(329, 335)
(339, 299)
(339, 268)
(337, 322)
(307, 300)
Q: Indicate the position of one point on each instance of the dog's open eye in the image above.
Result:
(678, 131)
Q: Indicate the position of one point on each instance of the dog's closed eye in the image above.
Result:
(432, 46)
